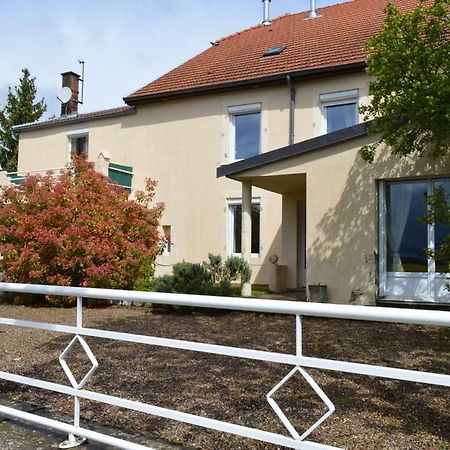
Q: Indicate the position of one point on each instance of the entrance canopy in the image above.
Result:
(260, 166)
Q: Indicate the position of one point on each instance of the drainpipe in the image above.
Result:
(291, 110)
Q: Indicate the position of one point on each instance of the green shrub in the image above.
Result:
(162, 284)
(238, 268)
(212, 277)
(145, 276)
(191, 278)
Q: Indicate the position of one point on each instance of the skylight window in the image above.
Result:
(275, 50)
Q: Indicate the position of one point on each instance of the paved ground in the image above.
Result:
(18, 435)
(297, 295)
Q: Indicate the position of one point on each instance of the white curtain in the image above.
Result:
(400, 203)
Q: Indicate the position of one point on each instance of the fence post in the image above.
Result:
(72, 440)
(298, 336)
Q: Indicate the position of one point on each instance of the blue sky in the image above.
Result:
(125, 44)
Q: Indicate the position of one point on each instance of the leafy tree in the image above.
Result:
(20, 108)
(410, 60)
(78, 229)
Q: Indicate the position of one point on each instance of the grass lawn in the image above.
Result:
(371, 413)
(257, 290)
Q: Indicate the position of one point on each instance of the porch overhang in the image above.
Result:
(280, 184)
(287, 183)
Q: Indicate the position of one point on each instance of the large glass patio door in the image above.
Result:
(405, 271)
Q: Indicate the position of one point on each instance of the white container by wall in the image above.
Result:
(317, 293)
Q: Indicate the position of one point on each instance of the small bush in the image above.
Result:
(238, 268)
(191, 278)
(212, 277)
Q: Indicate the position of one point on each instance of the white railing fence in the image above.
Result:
(298, 361)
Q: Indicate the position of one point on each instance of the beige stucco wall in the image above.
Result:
(310, 121)
(342, 212)
(180, 143)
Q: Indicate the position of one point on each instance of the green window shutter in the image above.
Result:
(122, 175)
(14, 178)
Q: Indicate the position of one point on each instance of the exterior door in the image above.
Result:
(406, 273)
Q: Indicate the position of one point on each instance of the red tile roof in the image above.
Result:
(335, 39)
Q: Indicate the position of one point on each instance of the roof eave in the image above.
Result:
(290, 151)
(69, 120)
(246, 83)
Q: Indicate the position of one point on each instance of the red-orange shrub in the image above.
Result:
(78, 229)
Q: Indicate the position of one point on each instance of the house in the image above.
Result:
(273, 112)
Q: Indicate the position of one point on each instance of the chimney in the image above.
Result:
(72, 81)
(312, 10)
(266, 20)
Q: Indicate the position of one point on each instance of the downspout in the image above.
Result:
(291, 110)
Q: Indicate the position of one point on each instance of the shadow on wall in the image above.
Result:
(344, 251)
(261, 271)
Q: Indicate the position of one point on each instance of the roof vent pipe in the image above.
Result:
(312, 9)
(266, 20)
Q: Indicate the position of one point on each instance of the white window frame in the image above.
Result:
(336, 99)
(240, 110)
(238, 202)
(75, 134)
(431, 273)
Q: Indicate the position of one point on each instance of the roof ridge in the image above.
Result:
(253, 27)
(280, 17)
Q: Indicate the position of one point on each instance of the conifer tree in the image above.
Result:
(21, 107)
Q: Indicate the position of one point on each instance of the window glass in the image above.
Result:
(236, 216)
(407, 238)
(441, 230)
(340, 116)
(167, 230)
(79, 145)
(247, 135)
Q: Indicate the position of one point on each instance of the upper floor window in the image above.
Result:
(79, 145)
(339, 110)
(78, 142)
(245, 131)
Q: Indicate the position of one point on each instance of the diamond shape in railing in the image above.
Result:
(90, 355)
(317, 390)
